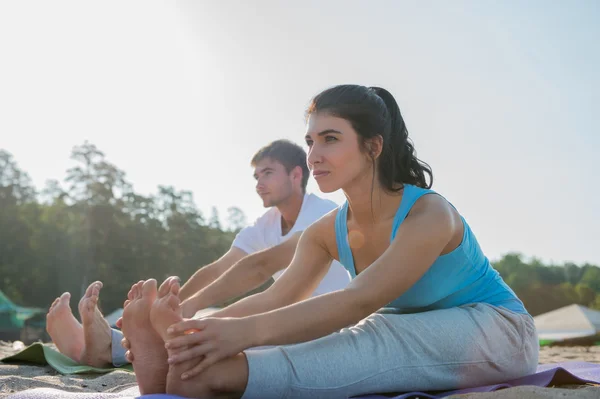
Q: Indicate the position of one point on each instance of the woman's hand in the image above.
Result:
(212, 339)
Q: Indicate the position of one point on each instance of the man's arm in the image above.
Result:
(247, 274)
(310, 264)
(210, 273)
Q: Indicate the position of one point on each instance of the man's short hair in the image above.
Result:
(286, 153)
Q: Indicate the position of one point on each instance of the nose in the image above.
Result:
(314, 156)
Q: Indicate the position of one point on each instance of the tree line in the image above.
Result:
(94, 226)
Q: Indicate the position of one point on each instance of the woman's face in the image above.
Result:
(334, 155)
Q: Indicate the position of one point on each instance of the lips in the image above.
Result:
(319, 173)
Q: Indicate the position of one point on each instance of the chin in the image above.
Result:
(327, 188)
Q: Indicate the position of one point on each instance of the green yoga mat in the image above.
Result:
(43, 355)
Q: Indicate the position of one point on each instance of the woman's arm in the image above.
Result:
(309, 265)
(248, 273)
(420, 239)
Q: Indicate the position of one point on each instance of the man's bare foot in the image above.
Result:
(64, 329)
(96, 331)
(150, 356)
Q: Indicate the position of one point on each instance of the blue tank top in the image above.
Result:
(460, 277)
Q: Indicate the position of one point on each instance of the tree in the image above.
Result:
(236, 219)
(572, 273)
(591, 277)
(17, 214)
(15, 185)
(214, 220)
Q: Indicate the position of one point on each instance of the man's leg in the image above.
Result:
(117, 350)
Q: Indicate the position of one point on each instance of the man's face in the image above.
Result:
(273, 183)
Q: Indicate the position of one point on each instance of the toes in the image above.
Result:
(125, 343)
(165, 287)
(135, 291)
(97, 287)
(95, 293)
(129, 356)
(88, 291)
(175, 287)
(149, 288)
(54, 304)
(173, 302)
(66, 296)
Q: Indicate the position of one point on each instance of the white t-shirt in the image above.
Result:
(266, 233)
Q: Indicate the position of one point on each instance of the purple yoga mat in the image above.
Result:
(547, 374)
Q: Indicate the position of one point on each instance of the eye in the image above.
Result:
(309, 143)
(330, 139)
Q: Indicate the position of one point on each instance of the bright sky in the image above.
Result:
(500, 98)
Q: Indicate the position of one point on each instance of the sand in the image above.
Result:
(14, 378)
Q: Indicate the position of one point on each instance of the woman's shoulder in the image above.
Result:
(322, 231)
(440, 214)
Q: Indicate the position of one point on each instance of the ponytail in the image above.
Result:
(399, 162)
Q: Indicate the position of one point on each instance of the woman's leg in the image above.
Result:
(438, 350)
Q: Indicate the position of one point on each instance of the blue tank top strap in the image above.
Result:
(341, 238)
(410, 195)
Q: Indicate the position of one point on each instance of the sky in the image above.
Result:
(500, 98)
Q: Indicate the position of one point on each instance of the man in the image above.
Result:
(258, 252)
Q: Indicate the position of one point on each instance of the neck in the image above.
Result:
(290, 209)
(369, 203)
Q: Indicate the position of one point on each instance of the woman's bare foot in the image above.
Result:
(96, 331)
(64, 329)
(150, 356)
(165, 310)
(226, 379)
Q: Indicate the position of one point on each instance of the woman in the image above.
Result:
(424, 311)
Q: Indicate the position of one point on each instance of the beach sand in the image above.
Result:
(14, 378)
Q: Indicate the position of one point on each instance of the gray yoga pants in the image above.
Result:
(471, 345)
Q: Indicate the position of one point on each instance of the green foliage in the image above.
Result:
(544, 288)
(93, 226)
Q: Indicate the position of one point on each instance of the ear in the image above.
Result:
(296, 174)
(374, 146)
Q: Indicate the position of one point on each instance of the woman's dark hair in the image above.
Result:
(373, 111)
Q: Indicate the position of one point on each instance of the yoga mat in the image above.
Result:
(547, 375)
(43, 355)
